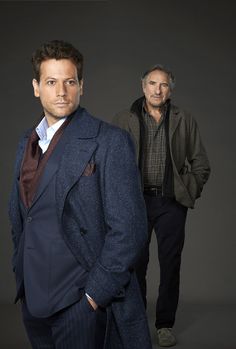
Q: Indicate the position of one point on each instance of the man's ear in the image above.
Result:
(35, 87)
(143, 84)
(81, 85)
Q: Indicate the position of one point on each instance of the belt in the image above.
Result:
(153, 191)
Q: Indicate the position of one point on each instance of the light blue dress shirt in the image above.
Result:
(46, 133)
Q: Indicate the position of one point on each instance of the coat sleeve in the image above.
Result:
(13, 203)
(197, 156)
(126, 223)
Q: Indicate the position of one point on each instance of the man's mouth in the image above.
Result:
(61, 103)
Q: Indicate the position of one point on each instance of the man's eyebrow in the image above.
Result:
(53, 78)
(161, 82)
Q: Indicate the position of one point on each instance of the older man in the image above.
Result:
(174, 167)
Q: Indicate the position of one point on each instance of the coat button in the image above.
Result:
(29, 219)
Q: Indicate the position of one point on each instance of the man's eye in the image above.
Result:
(165, 85)
(71, 82)
(50, 82)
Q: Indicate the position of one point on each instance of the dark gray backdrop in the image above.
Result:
(119, 40)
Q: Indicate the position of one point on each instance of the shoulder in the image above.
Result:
(105, 133)
(26, 134)
(113, 132)
(24, 137)
(114, 140)
(91, 123)
(184, 114)
(124, 114)
(122, 118)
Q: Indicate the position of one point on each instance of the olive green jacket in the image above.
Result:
(191, 167)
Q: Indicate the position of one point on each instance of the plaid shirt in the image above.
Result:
(154, 149)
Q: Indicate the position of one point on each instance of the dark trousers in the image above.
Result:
(167, 217)
(75, 327)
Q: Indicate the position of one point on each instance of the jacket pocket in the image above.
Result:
(191, 185)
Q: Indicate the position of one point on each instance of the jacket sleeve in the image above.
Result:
(125, 216)
(13, 203)
(196, 156)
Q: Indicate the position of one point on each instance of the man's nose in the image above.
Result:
(61, 89)
(157, 89)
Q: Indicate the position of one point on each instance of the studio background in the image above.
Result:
(120, 40)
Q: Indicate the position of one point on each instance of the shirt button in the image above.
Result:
(29, 219)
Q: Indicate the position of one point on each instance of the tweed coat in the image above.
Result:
(190, 163)
(101, 208)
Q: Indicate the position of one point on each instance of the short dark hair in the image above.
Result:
(160, 67)
(57, 49)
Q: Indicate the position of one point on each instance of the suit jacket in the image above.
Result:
(100, 206)
(191, 167)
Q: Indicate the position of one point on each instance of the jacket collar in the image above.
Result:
(137, 105)
(175, 115)
(174, 119)
(82, 125)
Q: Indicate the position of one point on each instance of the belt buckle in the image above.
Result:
(153, 191)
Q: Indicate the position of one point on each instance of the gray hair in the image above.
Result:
(163, 69)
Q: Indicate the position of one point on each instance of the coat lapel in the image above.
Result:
(69, 155)
(174, 121)
(79, 149)
(72, 166)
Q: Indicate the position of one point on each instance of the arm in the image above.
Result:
(13, 203)
(196, 156)
(125, 217)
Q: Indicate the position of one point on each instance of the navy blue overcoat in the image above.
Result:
(101, 208)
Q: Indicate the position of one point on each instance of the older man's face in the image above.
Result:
(156, 88)
(58, 89)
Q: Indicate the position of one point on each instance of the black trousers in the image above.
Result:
(75, 327)
(167, 217)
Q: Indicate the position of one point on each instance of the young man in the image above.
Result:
(174, 167)
(78, 219)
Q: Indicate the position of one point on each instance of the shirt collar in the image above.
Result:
(45, 132)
